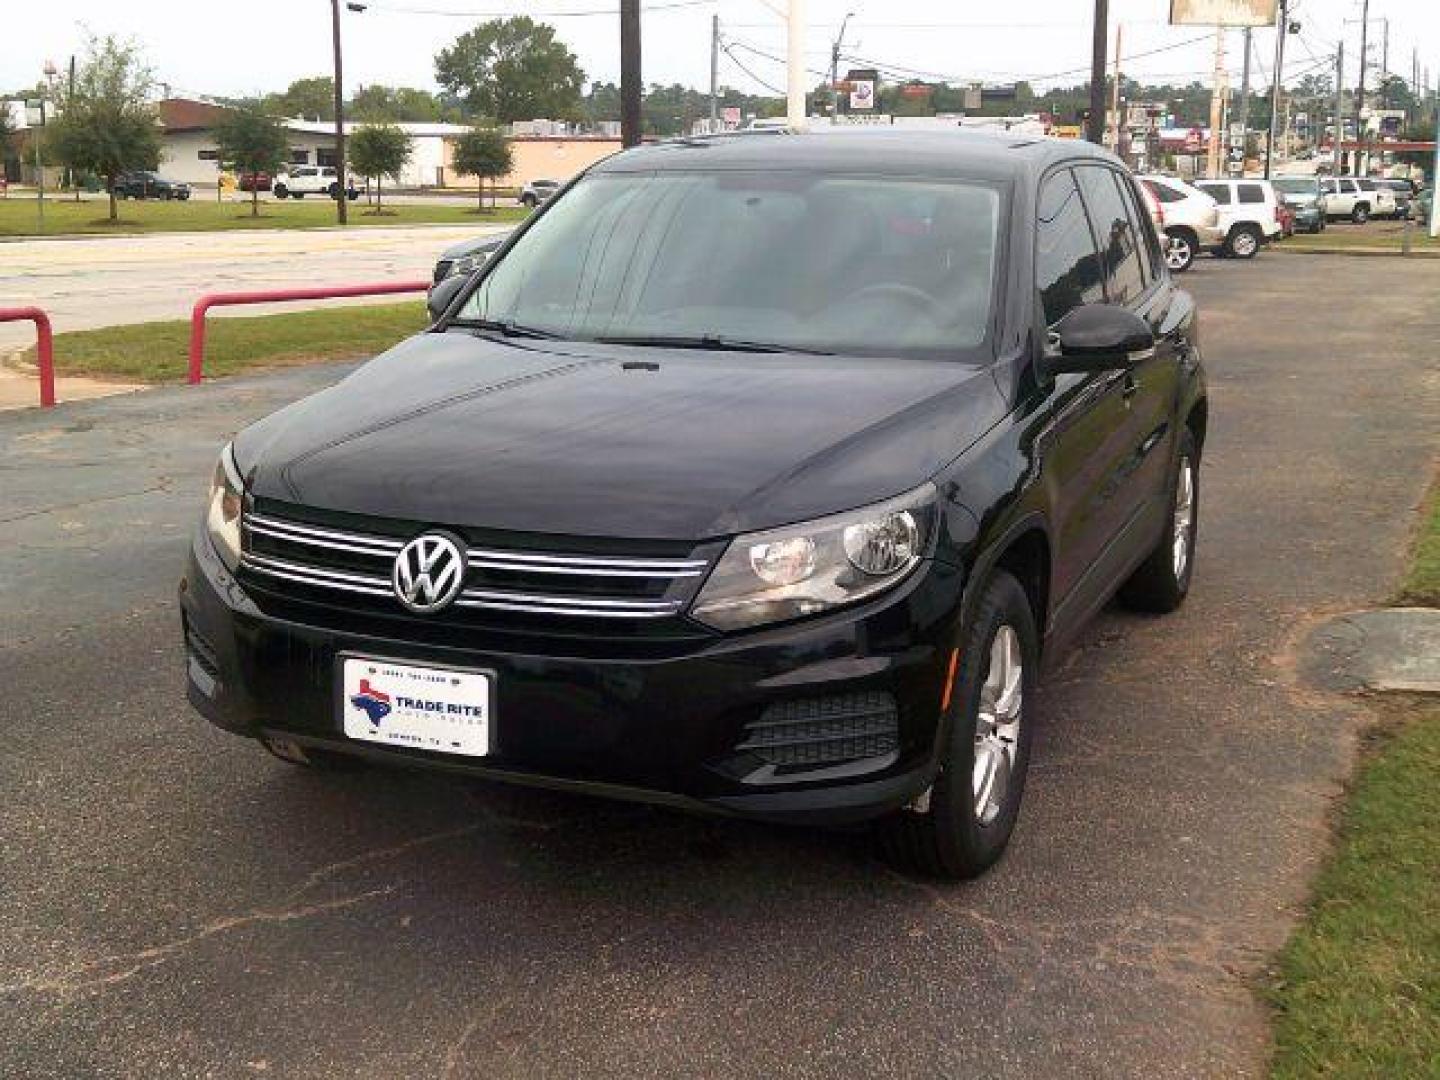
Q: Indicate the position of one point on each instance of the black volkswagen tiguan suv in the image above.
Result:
(756, 474)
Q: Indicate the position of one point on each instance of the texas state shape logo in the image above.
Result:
(373, 703)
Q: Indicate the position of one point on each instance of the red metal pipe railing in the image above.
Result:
(270, 296)
(44, 348)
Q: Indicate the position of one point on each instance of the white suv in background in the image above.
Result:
(1249, 214)
(302, 180)
(1187, 218)
(1358, 198)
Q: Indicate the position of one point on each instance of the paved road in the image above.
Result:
(177, 903)
(105, 281)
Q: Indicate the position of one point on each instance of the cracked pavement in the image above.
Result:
(175, 902)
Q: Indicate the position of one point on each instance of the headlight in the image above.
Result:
(224, 508)
(813, 567)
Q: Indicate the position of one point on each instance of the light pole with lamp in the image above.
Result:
(341, 186)
(835, 68)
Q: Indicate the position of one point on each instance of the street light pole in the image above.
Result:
(795, 65)
(835, 68)
(630, 117)
(1095, 129)
(341, 205)
(1282, 29)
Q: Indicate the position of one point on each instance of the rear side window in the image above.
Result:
(1366, 185)
(1068, 271)
(1164, 192)
(1119, 239)
(1219, 192)
(1249, 193)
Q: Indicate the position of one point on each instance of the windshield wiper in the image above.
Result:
(714, 342)
(507, 327)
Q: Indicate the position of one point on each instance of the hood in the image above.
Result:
(488, 242)
(549, 437)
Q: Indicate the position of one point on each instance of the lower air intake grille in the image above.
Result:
(824, 731)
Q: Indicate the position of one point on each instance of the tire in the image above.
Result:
(308, 757)
(1361, 214)
(1243, 242)
(297, 194)
(530, 201)
(1161, 583)
(279, 191)
(952, 832)
(1180, 248)
(333, 191)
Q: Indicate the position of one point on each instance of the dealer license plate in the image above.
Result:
(425, 708)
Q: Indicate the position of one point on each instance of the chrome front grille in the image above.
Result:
(501, 580)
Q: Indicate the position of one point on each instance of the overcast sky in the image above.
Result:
(258, 45)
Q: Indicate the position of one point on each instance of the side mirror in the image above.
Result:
(443, 294)
(1099, 337)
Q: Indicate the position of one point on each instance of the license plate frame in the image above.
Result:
(461, 736)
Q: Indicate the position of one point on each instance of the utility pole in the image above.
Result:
(795, 65)
(1217, 98)
(630, 72)
(1244, 118)
(341, 203)
(1339, 106)
(835, 69)
(1095, 129)
(1282, 30)
(1360, 89)
(1115, 91)
(1434, 215)
(714, 72)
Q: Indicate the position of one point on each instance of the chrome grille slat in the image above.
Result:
(296, 551)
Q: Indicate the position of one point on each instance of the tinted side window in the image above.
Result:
(1249, 193)
(1118, 238)
(1164, 193)
(1366, 185)
(1067, 267)
(1219, 192)
(1150, 255)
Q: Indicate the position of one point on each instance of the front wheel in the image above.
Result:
(1161, 583)
(1179, 250)
(529, 201)
(1360, 215)
(961, 825)
(1244, 242)
(279, 191)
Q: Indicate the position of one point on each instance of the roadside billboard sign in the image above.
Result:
(862, 94)
(1223, 12)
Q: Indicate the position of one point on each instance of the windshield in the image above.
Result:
(1296, 185)
(831, 263)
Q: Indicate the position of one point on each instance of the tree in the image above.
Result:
(379, 150)
(512, 69)
(106, 123)
(250, 140)
(484, 154)
(310, 98)
(7, 134)
(378, 104)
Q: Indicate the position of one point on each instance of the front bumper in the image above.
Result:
(663, 729)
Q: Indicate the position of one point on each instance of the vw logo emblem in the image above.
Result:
(429, 572)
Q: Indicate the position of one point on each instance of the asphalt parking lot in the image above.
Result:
(178, 903)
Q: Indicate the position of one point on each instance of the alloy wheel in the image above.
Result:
(997, 725)
(1177, 253)
(1183, 518)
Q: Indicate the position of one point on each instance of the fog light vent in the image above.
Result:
(825, 731)
(201, 652)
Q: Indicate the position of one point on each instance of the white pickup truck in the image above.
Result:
(302, 180)
(1358, 198)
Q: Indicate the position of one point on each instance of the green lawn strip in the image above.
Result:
(65, 216)
(1389, 235)
(1422, 582)
(1358, 993)
(158, 351)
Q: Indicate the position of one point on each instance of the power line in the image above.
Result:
(756, 78)
(399, 9)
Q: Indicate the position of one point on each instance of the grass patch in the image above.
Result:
(1377, 234)
(1359, 988)
(1422, 581)
(199, 214)
(158, 351)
